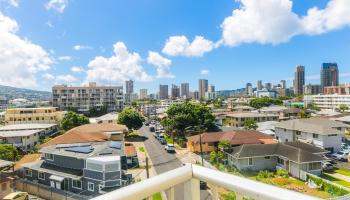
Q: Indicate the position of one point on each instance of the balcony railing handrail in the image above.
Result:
(167, 180)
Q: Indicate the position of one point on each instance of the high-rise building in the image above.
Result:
(202, 88)
(163, 92)
(143, 94)
(329, 75)
(185, 90)
(211, 88)
(299, 80)
(175, 91)
(312, 89)
(283, 84)
(259, 85)
(268, 86)
(85, 98)
(129, 86)
(249, 89)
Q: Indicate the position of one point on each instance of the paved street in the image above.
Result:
(163, 161)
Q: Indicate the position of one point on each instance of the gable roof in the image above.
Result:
(313, 125)
(236, 137)
(306, 147)
(87, 133)
(295, 154)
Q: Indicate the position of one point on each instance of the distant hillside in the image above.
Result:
(15, 93)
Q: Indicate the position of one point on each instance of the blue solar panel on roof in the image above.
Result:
(116, 145)
(83, 149)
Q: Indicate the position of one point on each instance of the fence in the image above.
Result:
(47, 192)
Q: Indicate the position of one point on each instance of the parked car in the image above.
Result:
(162, 141)
(341, 155)
(17, 196)
(160, 136)
(152, 129)
(327, 166)
(170, 148)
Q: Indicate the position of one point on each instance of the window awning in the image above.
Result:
(57, 178)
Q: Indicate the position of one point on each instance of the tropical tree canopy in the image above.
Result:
(130, 118)
(72, 120)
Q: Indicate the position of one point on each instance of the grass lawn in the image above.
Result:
(343, 172)
(157, 196)
(335, 180)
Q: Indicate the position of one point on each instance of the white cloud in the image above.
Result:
(20, 59)
(65, 79)
(57, 5)
(48, 76)
(81, 47)
(49, 24)
(180, 46)
(64, 58)
(162, 64)
(121, 66)
(274, 22)
(14, 3)
(205, 72)
(77, 69)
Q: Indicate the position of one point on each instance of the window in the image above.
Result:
(28, 172)
(91, 186)
(41, 175)
(112, 167)
(94, 167)
(298, 133)
(314, 135)
(267, 157)
(48, 156)
(76, 184)
(315, 166)
(250, 161)
(280, 161)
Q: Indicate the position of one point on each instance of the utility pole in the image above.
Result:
(200, 146)
(147, 170)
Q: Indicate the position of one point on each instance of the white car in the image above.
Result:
(341, 155)
(170, 148)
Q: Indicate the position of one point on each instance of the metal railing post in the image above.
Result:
(170, 193)
(192, 190)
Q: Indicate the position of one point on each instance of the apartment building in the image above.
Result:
(323, 133)
(327, 102)
(42, 115)
(238, 119)
(341, 89)
(84, 98)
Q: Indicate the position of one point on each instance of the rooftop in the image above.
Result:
(235, 137)
(20, 133)
(313, 125)
(53, 169)
(249, 114)
(26, 126)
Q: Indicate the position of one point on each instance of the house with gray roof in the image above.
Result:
(88, 169)
(292, 157)
(321, 132)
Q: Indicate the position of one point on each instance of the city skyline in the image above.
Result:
(72, 47)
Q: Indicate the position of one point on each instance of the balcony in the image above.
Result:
(190, 176)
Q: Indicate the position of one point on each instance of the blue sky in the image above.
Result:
(75, 41)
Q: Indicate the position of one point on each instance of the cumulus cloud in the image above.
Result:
(64, 58)
(20, 59)
(14, 3)
(204, 72)
(162, 64)
(79, 47)
(48, 76)
(65, 79)
(121, 66)
(57, 5)
(180, 46)
(274, 22)
(77, 69)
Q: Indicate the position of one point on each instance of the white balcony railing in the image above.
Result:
(190, 175)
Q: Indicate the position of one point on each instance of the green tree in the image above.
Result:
(130, 118)
(72, 120)
(343, 108)
(250, 124)
(181, 116)
(229, 196)
(264, 102)
(224, 145)
(8, 152)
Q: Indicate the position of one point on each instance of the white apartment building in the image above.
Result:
(329, 102)
(84, 98)
(324, 133)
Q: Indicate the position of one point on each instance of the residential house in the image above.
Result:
(239, 118)
(321, 132)
(211, 140)
(295, 158)
(283, 112)
(107, 118)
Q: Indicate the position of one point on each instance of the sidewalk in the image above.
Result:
(341, 177)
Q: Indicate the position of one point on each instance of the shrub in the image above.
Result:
(328, 187)
(282, 173)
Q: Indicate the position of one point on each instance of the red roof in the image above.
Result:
(237, 137)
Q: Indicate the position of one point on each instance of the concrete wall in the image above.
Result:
(259, 163)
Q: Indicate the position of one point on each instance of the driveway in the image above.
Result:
(163, 161)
